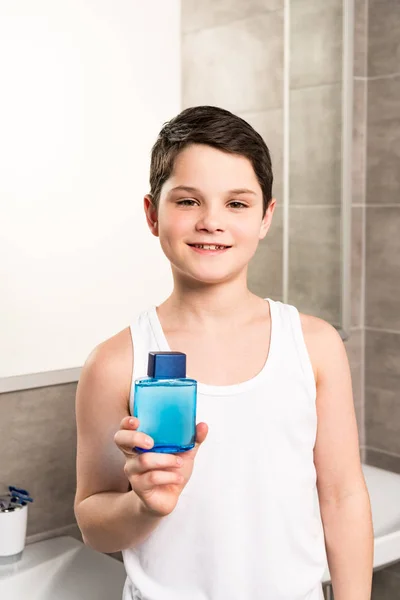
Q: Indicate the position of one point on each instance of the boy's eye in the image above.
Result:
(238, 204)
(235, 203)
(185, 200)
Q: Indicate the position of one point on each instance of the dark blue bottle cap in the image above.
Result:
(166, 365)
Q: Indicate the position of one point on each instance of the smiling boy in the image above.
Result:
(274, 483)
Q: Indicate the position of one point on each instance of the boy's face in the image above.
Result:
(212, 197)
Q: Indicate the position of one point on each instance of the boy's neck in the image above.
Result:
(208, 305)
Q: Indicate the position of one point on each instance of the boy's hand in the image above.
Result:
(157, 478)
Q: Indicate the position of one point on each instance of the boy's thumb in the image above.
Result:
(201, 433)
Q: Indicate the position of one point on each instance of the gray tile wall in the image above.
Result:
(382, 258)
(378, 80)
(315, 157)
(356, 344)
(38, 452)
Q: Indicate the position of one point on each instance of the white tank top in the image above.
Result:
(247, 526)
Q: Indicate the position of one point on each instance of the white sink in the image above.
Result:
(384, 492)
(62, 568)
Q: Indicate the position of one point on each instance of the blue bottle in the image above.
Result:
(165, 403)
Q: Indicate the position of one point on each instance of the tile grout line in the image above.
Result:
(382, 330)
(286, 150)
(387, 205)
(391, 454)
(366, 36)
(377, 77)
(364, 255)
(347, 109)
(316, 85)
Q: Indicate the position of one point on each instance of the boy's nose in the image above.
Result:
(210, 221)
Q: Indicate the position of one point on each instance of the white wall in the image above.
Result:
(86, 86)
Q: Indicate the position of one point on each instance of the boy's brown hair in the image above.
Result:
(215, 127)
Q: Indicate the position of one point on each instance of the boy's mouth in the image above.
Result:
(209, 248)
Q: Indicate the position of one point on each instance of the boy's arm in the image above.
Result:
(343, 495)
(110, 517)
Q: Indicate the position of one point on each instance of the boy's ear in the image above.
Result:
(267, 219)
(151, 214)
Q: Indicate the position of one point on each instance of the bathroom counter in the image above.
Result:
(384, 491)
(62, 568)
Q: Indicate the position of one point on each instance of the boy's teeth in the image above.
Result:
(208, 246)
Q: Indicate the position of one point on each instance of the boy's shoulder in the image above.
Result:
(113, 349)
(110, 362)
(322, 340)
(316, 327)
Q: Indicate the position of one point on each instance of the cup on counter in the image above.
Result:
(13, 522)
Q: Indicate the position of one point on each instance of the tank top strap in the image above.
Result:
(290, 319)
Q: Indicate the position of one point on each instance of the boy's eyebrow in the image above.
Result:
(188, 188)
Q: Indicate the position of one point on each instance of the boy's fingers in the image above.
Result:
(127, 440)
(155, 478)
(154, 460)
(129, 423)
